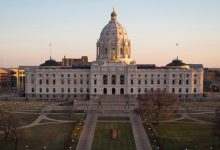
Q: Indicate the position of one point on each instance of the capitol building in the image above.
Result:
(114, 72)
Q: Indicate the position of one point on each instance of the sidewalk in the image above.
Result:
(140, 136)
(86, 137)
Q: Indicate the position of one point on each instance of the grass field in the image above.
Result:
(26, 118)
(75, 117)
(51, 136)
(164, 117)
(210, 117)
(207, 105)
(102, 140)
(179, 136)
(19, 105)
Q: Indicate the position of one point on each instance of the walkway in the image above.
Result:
(86, 137)
(141, 140)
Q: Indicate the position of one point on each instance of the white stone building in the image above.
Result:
(113, 73)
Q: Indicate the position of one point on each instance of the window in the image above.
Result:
(62, 90)
(62, 81)
(164, 89)
(40, 90)
(68, 81)
(145, 90)
(187, 90)
(47, 90)
(74, 75)
(87, 81)
(145, 75)
(32, 90)
(95, 81)
(32, 81)
(113, 79)
(158, 81)
(40, 81)
(62, 75)
(152, 90)
(180, 82)
(132, 82)
(47, 75)
(173, 75)
(173, 90)
(122, 79)
(87, 90)
(180, 90)
(195, 75)
(54, 90)
(54, 75)
(187, 75)
(68, 90)
(173, 82)
(165, 75)
(131, 90)
(139, 90)
(139, 81)
(158, 75)
(195, 81)
(194, 90)
(81, 90)
(68, 75)
(40, 75)
(47, 81)
(152, 75)
(106, 50)
(54, 81)
(164, 81)
(74, 81)
(105, 79)
(95, 90)
(75, 90)
(139, 75)
(81, 75)
(121, 51)
(145, 81)
(187, 81)
(152, 81)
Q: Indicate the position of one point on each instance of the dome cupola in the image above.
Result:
(113, 44)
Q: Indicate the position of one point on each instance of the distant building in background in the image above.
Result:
(12, 80)
(73, 61)
(212, 79)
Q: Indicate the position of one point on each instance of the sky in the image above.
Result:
(73, 27)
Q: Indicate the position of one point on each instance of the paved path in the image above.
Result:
(86, 137)
(141, 140)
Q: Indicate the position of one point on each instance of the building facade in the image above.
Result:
(112, 73)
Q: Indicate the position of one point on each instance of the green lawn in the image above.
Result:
(75, 117)
(51, 136)
(102, 140)
(164, 117)
(179, 136)
(210, 117)
(27, 118)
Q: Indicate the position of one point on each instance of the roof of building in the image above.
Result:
(196, 66)
(81, 66)
(146, 66)
(50, 62)
(176, 63)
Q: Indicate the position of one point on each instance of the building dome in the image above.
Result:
(176, 63)
(113, 44)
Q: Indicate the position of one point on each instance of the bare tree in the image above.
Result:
(9, 124)
(157, 103)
